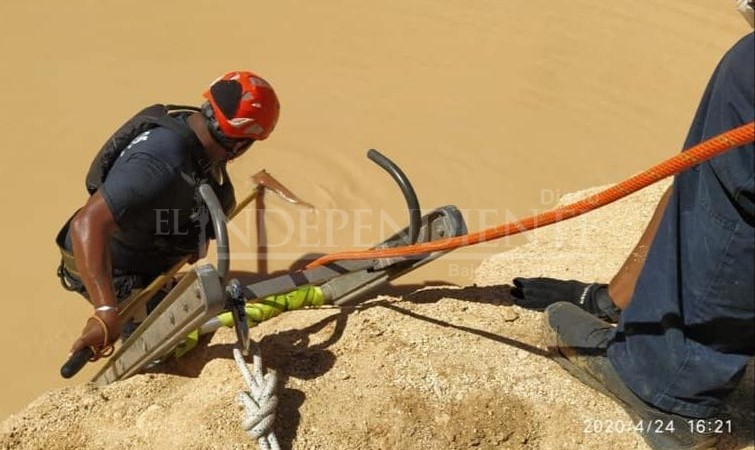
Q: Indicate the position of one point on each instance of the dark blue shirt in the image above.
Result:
(152, 192)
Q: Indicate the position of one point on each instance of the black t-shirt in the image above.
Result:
(152, 192)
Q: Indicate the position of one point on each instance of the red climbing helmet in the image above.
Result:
(244, 105)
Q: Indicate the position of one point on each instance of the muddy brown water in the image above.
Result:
(495, 107)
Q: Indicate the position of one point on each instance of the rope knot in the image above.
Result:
(259, 402)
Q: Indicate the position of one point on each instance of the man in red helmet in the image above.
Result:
(147, 214)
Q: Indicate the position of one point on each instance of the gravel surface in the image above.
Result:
(440, 368)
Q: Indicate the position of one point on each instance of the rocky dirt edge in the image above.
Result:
(440, 368)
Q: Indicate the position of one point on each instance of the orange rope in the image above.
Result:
(736, 137)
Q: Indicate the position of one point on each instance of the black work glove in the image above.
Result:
(538, 293)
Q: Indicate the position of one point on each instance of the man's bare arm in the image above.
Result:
(91, 230)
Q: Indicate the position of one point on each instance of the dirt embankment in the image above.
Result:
(442, 368)
(497, 107)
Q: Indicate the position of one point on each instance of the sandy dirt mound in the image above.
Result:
(439, 368)
(498, 107)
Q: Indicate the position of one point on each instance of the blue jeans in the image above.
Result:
(684, 341)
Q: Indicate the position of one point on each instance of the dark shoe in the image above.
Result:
(578, 342)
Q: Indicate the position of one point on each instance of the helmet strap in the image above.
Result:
(230, 145)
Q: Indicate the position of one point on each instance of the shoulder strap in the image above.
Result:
(176, 108)
(189, 137)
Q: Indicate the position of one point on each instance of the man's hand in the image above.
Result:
(538, 293)
(99, 334)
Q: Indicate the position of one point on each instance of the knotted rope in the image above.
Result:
(259, 401)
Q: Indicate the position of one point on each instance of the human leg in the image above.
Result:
(621, 287)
